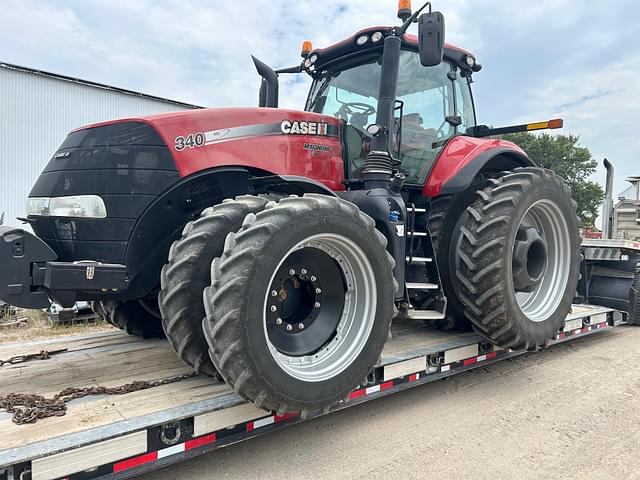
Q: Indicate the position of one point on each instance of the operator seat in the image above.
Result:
(415, 145)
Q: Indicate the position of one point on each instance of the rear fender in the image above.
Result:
(464, 157)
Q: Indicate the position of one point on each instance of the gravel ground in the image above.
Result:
(572, 412)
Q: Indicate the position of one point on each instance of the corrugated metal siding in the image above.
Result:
(37, 112)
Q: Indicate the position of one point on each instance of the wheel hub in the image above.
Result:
(541, 261)
(346, 307)
(305, 302)
(295, 299)
(529, 259)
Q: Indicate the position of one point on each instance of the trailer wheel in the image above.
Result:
(518, 261)
(188, 273)
(300, 303)
(135, 317)
(442, 227)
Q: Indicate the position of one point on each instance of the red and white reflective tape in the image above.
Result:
(470, 361)
(369, 390)
(194, 443)
(263, 422)
(579, 331)
(165, 452)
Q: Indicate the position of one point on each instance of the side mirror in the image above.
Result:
(431, 38)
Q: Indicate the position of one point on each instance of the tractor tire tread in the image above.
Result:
(186, 275)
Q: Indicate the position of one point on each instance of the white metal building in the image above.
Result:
(37, 111)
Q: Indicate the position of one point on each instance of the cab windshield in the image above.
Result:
(426, 94)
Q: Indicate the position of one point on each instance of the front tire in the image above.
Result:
(518, 261)
(307, 346)
(136, 317)
(188, 273)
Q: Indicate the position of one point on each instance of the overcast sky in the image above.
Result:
(569, 58)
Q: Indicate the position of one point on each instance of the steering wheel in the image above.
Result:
(359, 108)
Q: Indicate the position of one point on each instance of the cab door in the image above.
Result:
(433, 110)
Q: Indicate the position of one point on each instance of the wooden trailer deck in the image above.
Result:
(114, 359)
(58, 446)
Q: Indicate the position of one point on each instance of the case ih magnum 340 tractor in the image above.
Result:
(275, 246)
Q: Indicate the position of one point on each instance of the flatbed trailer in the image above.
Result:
(113, 437)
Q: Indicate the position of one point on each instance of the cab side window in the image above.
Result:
(464, 103)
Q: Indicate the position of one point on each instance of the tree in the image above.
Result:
(563, 155)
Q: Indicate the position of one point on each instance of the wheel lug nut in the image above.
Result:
(292, 271)
(289, 328)
(278, 321)
(313, 278)
(273, 308)
(317, 305)
(303, 271)
(301, 326)
(274, 293)
(318, 290)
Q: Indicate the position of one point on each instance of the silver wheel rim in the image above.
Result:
(539, 304)
(358, 314)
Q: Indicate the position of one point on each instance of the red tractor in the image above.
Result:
(275, 247)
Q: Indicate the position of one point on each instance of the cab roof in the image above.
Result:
(349, 47)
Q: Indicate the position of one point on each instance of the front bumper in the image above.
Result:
(31, 277)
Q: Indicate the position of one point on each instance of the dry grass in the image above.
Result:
(38, 327)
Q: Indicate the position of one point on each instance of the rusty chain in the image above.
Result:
(29, 408)
(42, 355)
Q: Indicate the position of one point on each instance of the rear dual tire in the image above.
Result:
(442, 227)
(345, 302)
(519, 257)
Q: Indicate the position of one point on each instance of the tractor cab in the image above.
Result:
(433, 103)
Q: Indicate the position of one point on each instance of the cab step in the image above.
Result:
(417, 210)
(425, 314)
(422, 286)
(419, 260)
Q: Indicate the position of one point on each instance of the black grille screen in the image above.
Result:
(204, 190)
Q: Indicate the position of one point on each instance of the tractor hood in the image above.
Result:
(269, 140)
(131, 163)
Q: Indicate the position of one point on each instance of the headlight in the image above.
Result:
(79, 206)
(376, 37)
(470, 61)
(361, 40)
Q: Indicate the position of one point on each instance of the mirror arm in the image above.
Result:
(405, 26)
(294, 69)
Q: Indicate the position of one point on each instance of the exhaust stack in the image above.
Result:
(607, 207)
